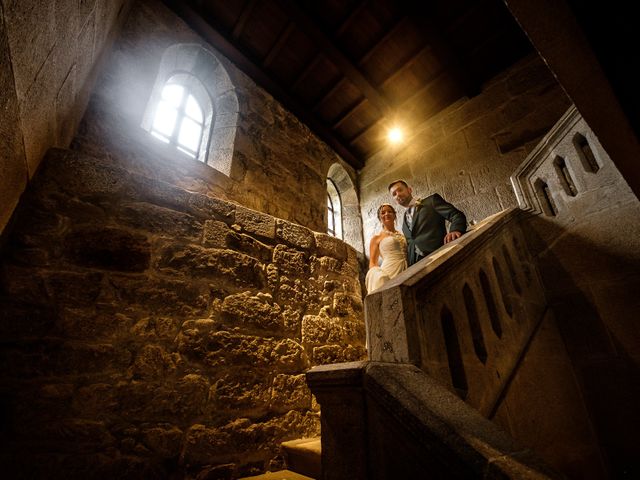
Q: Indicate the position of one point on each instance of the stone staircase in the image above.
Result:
(302, 456)
(279, 475)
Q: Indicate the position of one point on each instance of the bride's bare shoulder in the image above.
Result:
(377, 237)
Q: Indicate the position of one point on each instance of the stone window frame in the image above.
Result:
(350, 206)
(221, 120)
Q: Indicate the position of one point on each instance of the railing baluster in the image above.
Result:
(491, 304)
(454, 354)
(506, 300)
(512, 270)
(474, 324)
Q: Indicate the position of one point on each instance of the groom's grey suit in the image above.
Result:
(428, 227)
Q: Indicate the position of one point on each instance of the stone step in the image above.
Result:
(304, 456)
(279, 475)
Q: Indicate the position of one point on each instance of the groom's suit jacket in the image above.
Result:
(428, 228)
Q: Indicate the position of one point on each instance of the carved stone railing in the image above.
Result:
(466, 314)
(391, 420)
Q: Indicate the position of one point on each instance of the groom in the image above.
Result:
(423, 224)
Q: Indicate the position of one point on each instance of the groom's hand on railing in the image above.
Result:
(451, 236)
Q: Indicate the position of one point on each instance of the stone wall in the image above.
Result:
(279, 167)
(586, 236)
(48, 51)
(151, 332)
(468, 151)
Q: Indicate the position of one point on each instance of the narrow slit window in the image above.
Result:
(564, 177)
(545, 199)
(587, 157)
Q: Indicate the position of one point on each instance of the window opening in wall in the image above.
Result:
(454, 355)
(334, 211)
(179, 120)
(564, 176)
(544, 198)
(491, 304)
(330, 209)
(588, 159)
(474, 324)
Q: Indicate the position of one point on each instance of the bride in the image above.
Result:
(391, 246)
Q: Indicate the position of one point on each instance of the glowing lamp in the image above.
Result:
(395, 135)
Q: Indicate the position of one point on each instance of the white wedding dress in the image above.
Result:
(393, 251)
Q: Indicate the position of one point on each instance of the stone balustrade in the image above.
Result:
(465, 314)
(390, 420)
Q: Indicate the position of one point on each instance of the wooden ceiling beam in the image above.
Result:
(402, 68)
(352, 16)
(487, 41)
(307, 70)
(448, 56)
(346, 115)
(468, 13)
(333, 89)
(393, 30)
(353, 140)
(242, 20)
(196, 20)
(307, 25)
(277, 47)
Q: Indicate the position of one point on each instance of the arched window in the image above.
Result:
(179, 118)
(334, 210)
(343, 208)
(193, 107)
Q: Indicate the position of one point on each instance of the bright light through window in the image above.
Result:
(334, 210)
(173, 94)
(189, 135)
(193, 109)
(165, 120)
(179, 120)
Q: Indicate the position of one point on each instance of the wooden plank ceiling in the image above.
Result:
(352, 69)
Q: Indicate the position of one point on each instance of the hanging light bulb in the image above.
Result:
(395, 135)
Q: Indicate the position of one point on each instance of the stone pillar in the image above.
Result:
(338, 389)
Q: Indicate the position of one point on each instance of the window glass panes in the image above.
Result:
(173, 94)
(165, 119)
(330, 218)
(189, 136)
(193, 109)
(334, 210)
(179, 119)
